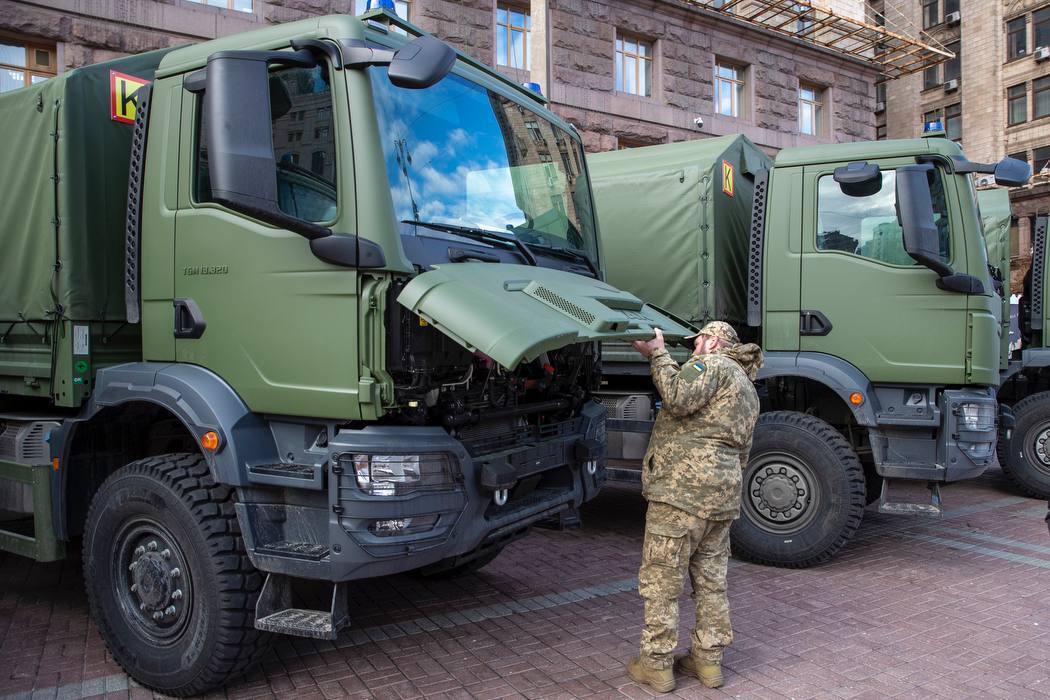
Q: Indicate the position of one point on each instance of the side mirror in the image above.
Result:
(420, 63)
(915, 215)
(239, 102)
(1010, 172)
(860, 179)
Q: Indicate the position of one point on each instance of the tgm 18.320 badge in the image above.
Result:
(122, 89)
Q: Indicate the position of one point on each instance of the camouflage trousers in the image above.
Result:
(675, 541)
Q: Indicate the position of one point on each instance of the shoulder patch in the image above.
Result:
(693, 371)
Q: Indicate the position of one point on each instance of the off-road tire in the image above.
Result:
(811, 449)
(1017, 456)
(215, 639)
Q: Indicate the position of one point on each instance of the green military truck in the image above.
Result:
(1025, 390)
(861, 270)
(315, 303)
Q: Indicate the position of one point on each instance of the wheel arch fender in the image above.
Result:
(839, 376)
(200, 399)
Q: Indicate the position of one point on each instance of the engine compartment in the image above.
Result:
(438, 382)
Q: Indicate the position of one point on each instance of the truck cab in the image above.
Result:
(866, 282)
(331, 310)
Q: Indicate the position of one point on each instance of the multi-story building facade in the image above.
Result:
(625, 72)
(993, 98)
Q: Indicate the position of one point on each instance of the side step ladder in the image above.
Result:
(933, 508)
(274, 611)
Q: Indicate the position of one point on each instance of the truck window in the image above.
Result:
(867, 226)
(303, 144)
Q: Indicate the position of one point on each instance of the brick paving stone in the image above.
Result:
(953, 607)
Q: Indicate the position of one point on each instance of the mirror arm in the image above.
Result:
(326, 48)
(356, 54)
(965, 167)
(197, 81)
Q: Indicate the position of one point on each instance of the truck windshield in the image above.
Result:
(460, 155)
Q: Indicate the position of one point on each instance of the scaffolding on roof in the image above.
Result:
(896, 51)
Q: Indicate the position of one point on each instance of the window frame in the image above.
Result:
(620, 57)
(935, 72)
(31, 68)
(884, 167)
(1023, 32)
(1036, 157)
(296, 116)
(229, 6)
(510, 9)
(954, 62)
(1043, 23)
(817, 103)
(947, 116)
(1039, 86)
(738, 84)
(1012, 96)
(925, 10)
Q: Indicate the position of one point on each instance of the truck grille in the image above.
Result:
(486, 438)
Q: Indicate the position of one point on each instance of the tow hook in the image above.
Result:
(592, 466)
(499, 497)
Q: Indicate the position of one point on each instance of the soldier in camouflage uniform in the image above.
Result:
(691, 476)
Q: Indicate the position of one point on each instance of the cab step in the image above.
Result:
(274, 611)
(933, 508)
(294, 550)
(300, 476)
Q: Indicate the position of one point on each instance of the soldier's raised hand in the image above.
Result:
(647, 348)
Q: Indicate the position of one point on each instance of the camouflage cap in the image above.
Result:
(719, 329)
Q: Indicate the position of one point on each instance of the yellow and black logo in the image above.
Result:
(122, 89)
(727, 178)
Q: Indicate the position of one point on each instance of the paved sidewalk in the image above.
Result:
(955, 607)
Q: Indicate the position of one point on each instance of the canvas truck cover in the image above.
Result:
(674, 223)
(62, 201)
(994, 205)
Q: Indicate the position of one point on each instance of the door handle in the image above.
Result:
(189, 320)
(813, 323)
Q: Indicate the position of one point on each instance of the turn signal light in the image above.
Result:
(210, 441)
(856, 398)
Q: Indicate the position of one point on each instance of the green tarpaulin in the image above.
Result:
(995, 221)
(674, 223)
(63, 189)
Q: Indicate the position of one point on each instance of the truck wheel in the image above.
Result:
(803, 493)
(168, 581)
(1025, 457)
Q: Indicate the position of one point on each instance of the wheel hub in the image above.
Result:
(779, 492)
(155, 587)
(1042, 450)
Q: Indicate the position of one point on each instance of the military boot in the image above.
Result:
(710, 674)
(659, 679)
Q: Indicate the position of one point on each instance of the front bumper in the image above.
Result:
(545, 472)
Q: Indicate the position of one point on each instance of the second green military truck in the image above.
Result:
(861, 269)
(306, 305)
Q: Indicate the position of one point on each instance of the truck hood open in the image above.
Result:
(516, 312)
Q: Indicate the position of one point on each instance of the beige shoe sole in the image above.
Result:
(658, 687)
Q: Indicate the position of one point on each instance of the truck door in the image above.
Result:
(864, 299)
(253, 304)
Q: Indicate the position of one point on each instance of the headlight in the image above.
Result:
(403, 526)
(397, 475)
(976, 416)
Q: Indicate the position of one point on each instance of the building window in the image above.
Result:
(953, 121)
(930, 13)
(880, 96)
(321, 132)
(810, 109)
(1041, 98)
(1016, 38)
(1022, 156)
(535, 132)
(931, 116)
(729, 89)
(1017, 104)
(513, 37)
(634, 66)
(951, 6)
(24, 64)
(951, 67)
(880, 132)
(1041, 161)
(931, 77)
(1041, 28)
(239, 5)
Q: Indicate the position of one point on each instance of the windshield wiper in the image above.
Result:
(478, 234)
(565, 254)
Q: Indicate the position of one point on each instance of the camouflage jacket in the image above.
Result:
(702, 435)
